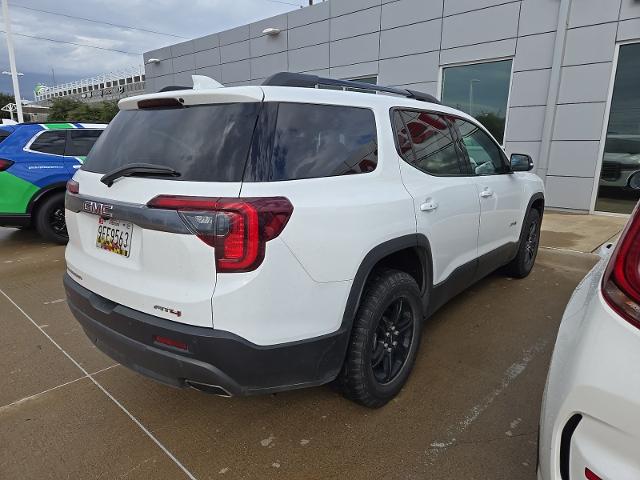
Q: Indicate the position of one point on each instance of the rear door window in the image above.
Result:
(80, 141)
(51, 142)
(205, 143)
(425, 140)
(313, 141)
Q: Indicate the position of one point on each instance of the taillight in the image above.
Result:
(589, 475)
(73, 186)
(5, 164)
(621, 282)
(237, 228)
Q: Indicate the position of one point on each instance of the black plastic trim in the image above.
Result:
(215, 358)
(378, 253)
(15, 220)
(565, 445)
(59, 186)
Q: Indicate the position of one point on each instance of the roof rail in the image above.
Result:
(286, 79)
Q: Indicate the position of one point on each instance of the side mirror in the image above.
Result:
(521, 162)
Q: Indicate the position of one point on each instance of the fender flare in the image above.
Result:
(536, 196)
(42, 192)
(371, 259)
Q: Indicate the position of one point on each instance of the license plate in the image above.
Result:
(114, 236)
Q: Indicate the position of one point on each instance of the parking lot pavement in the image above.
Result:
(469, 410)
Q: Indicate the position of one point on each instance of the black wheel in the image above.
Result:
(384, 340)
(50, 221)
(521, 266)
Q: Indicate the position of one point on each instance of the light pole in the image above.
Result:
(12, 59)
(473, 80)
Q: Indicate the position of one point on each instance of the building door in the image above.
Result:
(619, 183)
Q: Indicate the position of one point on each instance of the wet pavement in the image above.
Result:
(470, 409)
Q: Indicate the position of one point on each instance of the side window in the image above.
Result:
(426, 142)
(81, 141)
(314, 141)
(403, 140)
(485, 156)
(52, 142)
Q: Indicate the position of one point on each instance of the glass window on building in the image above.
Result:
(482, 91)
(619, 188)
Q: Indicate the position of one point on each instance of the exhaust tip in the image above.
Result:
(210, 389)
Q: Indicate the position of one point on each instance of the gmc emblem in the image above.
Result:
(97, 208)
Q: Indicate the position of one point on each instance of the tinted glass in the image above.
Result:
(312, 141)
(403, 141)
(485, 156)
(434, 149)
(81, 141)
(482, 91)
(203, 143)
(619, 188)
(4, 134)
(52, 142)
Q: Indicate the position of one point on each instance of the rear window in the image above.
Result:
(251, 141)
(203, 143)
(80, 142)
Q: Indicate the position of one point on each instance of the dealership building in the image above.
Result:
(556, 79)
(106, 87)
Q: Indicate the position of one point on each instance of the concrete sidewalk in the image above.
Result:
(581, 233)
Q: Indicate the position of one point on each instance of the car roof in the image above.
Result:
(60, 125)
(291, 94)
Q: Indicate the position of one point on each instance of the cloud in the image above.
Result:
(187, 18)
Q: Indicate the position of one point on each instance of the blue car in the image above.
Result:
(36, 160)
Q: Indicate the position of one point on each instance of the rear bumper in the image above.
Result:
(15, 220)
(594, 375)
(215, 358)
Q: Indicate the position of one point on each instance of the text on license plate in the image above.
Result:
(114, 236)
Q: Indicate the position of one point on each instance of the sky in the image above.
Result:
(183, 18)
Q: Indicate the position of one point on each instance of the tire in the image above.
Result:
(390, 308)
(521, 266)
(49, 220)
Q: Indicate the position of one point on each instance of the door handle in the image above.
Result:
(486, 193)
(428, 206)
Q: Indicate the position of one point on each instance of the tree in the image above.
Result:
(68, 110)
(494, 123)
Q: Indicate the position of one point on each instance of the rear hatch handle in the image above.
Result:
(138, 170)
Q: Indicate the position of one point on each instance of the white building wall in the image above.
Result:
(407, 42)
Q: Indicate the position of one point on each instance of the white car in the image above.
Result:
(261, 238)
(590, 421)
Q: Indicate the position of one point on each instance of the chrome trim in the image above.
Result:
(138, 214)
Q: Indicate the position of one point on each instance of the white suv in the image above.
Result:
(255, 239)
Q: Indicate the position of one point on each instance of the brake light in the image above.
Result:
(73, 186)
(589, 475)
(5, 164)
(237, 228)
(621, 282)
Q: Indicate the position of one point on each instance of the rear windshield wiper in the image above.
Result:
(138, 170)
